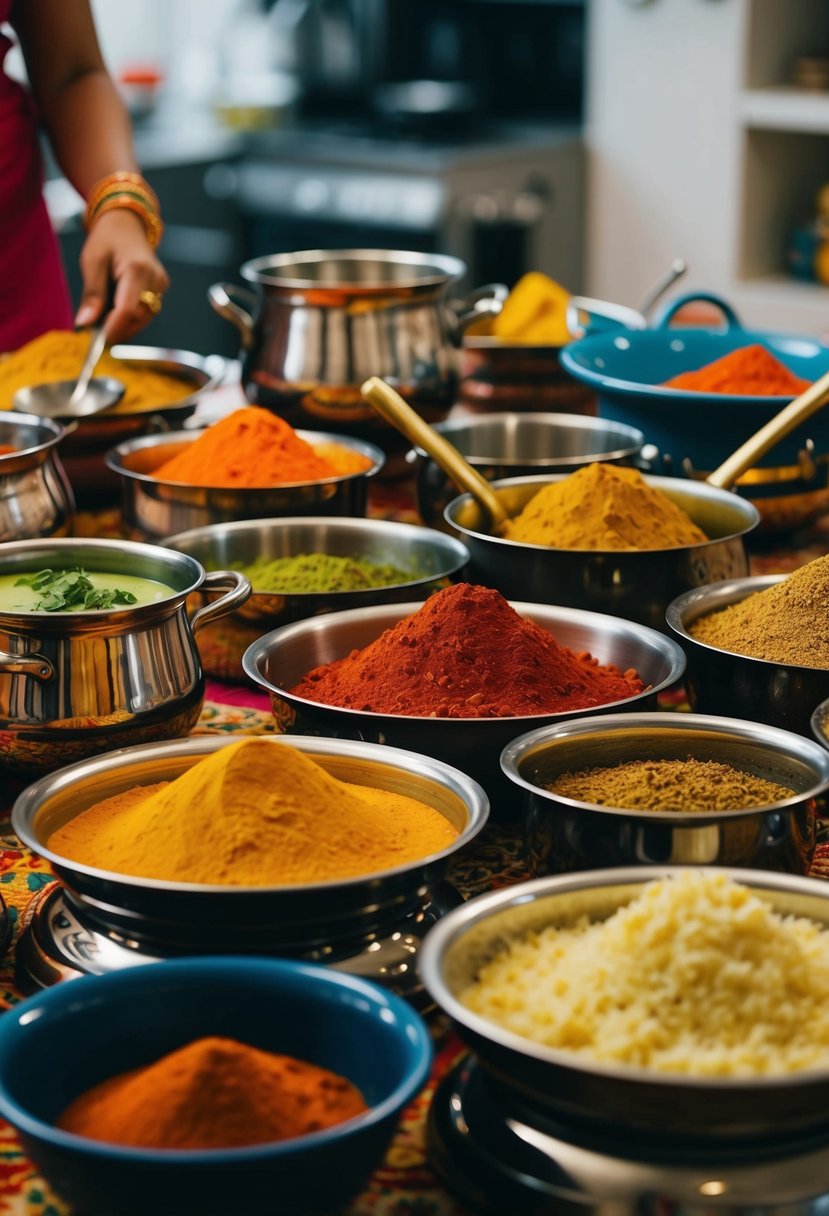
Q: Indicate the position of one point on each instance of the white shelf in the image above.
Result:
(785, 109)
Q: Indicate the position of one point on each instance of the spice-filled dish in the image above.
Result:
(691, 789)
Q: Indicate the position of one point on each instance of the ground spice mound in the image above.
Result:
(750, 371)
(670, 785)
(6, 449)
(603, 506)
(696, 975)
(466, 654)
(254, 449)
(255, 813)
(787, 623)
(317, 573)
(213, 1093)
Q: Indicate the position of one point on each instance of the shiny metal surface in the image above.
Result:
(277, 661)
(520, 445)
(718, 681)
(564, 834)
(76, 683)
(433, 560)
(154, 509)
(664, 1108)
(191, 916)
(35, 496)
(54, 400)
(323, 321)
(84, 447)
(635, 585)
(820, 724)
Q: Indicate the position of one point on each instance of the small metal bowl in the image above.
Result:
(153, 509)
(433, 560)
(35, 496)
(637, 585)
(667, 1108)
(564, 834)
(520, 445)
(719, 681)
(196, 917)
(279, 660)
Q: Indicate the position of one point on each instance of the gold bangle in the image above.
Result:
(118, 181)
(152, 223)
(126, 192)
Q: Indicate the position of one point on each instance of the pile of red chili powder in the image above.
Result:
(466, 654)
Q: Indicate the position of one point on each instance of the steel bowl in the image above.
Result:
(84, 449)
(277, 661)
(433, 560)
(565, 834)
(153, 509)
(200, 918)
(637, 585)
(633, 1102)
(74, 684)
(719, 681)
(35, 496)
(519, 445)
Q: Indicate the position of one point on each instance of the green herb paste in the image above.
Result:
(318, 573)
(76, 590)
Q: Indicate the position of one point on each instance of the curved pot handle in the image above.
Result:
(222, 300)
(240, 591)
(663, 320)
(486, 301)
(35, 665)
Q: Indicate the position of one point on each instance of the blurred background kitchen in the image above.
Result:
(596, 141)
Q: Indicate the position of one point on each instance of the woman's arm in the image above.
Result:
(90, 132)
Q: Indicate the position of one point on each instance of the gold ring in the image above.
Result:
(152, 299)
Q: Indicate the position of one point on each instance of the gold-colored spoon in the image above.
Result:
(391, 406)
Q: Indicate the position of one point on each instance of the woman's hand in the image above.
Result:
(117, 250)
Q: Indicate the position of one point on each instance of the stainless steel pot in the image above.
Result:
(324, 320)
(565, 834)
(76, 683)
(35, 495)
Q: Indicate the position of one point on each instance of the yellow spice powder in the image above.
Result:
(255, 813)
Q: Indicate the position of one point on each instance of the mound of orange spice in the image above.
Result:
(749, 371)
(214, 1093)
(254, 449)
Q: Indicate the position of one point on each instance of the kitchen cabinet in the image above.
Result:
(700, 148)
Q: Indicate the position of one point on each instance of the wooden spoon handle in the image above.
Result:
(777, 428)
(391, 406)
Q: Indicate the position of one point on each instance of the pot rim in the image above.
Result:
(18, 418)
(572, 422)
(438, 269)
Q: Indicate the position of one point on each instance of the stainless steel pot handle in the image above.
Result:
(35, 665)
(222, 301)
(485, 301)
(240, 591)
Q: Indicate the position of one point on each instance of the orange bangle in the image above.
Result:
(116, 181)
(152, 223)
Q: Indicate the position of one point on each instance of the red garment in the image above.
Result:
(34, 296)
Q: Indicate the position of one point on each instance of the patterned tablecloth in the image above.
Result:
(404, 1185)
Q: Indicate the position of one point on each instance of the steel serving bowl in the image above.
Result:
(63, 1041)
(431, 559)
(154, 509)
(87, 442)
(566, 834)
(35, 496)
(519, 445)
(719, 681)
(284, 918)
(632, 1101)
(74, 684)
(637, 585)
(277, 661)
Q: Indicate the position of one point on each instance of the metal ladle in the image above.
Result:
(67, 399)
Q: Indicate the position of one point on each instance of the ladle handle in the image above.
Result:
(93, 354)
(797, 411)
(391, 406)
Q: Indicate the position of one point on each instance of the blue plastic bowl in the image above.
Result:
(627, 370)
(61, 1042)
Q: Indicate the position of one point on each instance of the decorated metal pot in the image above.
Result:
(35, 496)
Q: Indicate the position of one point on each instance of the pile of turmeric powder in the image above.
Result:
(59, 355)
(255, 813)
(534, 312)
(603, 506)
(214, 1093)
(254, 449)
